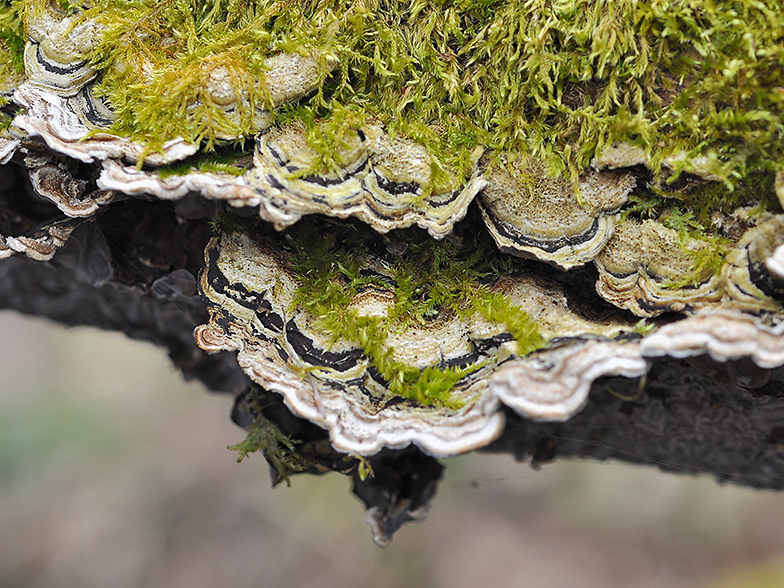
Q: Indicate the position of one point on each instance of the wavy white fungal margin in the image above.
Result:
(724, 335)
(136, 182)
(5, 250)
(775, 263)
(385, 181)
(385, 185)
(49, 117)
(7, 149)
(553, 385)
(353, 428)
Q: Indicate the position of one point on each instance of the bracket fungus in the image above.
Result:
(423, 223)
(381, 357)
(531, 214)
(385, 182)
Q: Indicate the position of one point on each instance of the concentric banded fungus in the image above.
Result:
(59, 94)
(533, 215)
(399, 113)
(750, 282)
(55, 120)
(250, 291)
(55, 55)
(649, 269)
(349, 368)
(385, 182)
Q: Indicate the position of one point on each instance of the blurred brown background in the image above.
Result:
(114, 473)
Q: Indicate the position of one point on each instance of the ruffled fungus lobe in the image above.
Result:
(40, 243)
(643, 267)
(533, 215)
(387, 183)
(52, 181)
(381, 358)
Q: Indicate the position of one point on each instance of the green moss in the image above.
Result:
(554, 80)
(12, 42)
(225, 160)
(11, 55)
(280, 450)
(434, 279)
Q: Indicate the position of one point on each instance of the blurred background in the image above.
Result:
(114, 473)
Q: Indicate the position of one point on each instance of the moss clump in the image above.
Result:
(554, 80)
(699, 212)
(432, 279)
(224, 160)
(279, 449)
(12, 42)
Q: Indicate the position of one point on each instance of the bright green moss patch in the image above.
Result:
(11, 55)
(158, 56)
(432, 279)
(554, 80)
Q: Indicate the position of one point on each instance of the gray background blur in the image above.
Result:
(114, 473)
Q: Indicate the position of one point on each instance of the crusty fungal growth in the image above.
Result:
(625, 159)
(387, 183)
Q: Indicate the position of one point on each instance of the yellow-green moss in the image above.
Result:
(433, 278)
(11, 54)
(555, 79)
(12, 42)
(279, 449)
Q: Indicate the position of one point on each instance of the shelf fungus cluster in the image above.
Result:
(386, 182)
(413, 240)
(379, 367)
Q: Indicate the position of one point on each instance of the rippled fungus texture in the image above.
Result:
(427, 219)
